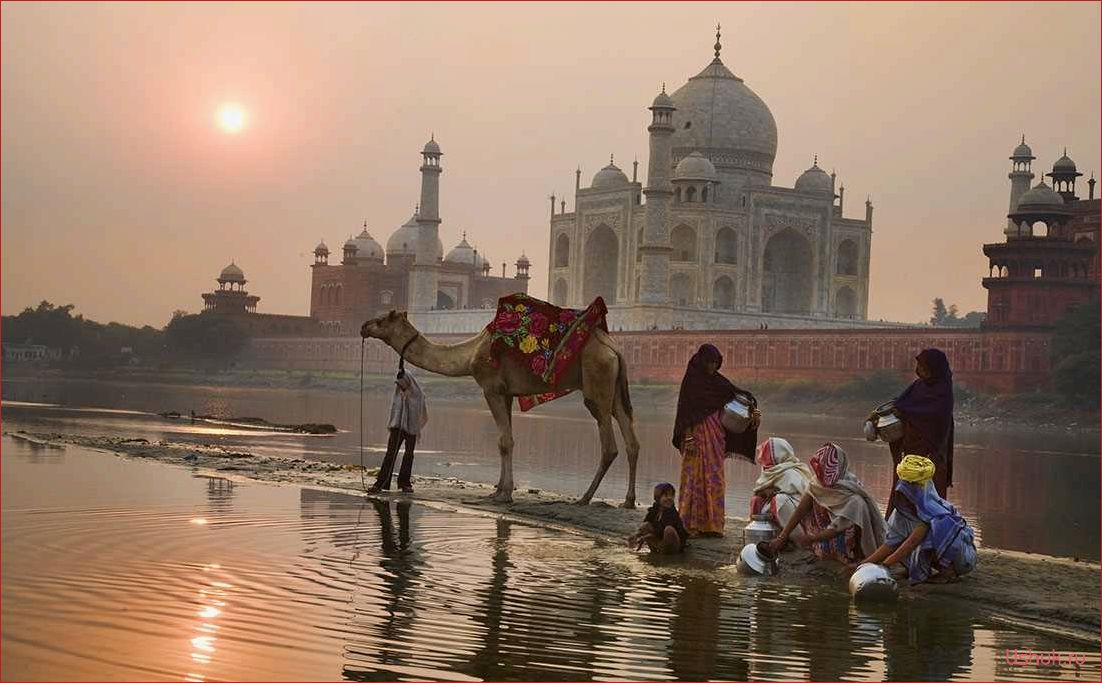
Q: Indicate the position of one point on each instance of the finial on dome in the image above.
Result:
(464, 235)
(663, 87)
(1023, 138)
(416, 209)
(815, 163)
(718, 46)
(432, 136)
(1065, 150)
(365, 224)
(611, 161)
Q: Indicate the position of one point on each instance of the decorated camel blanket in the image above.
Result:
(544, 338)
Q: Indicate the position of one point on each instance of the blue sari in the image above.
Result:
(949, 541)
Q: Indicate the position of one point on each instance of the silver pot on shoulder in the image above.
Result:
(736, 414)
(888, 427)
(759, 529)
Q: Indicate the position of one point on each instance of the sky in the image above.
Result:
(120, 193)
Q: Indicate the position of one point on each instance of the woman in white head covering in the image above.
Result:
(408, 415)
(783, 481)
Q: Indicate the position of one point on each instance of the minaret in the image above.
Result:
(1021, 178)
(655, 250)
(423, 276)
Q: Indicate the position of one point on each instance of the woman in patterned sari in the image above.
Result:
(703, 442)
(840, 520)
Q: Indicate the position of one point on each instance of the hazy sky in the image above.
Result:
(121, 195)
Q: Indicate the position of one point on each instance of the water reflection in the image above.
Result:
(309, 585)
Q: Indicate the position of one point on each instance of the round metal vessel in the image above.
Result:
(873, 583)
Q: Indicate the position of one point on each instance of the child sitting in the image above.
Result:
(662, 529)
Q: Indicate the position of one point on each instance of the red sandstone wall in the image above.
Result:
(993, 361)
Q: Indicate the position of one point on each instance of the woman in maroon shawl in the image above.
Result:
(699, 435)
(926, 409)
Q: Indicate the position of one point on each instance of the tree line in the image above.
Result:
(186, 339)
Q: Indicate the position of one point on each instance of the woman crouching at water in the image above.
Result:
(925, 533)
(782, 483)
(699, 434)
(662, 529)
(840, 520)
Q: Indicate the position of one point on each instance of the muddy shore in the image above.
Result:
(1052, 594)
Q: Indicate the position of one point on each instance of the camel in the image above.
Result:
(601, 375)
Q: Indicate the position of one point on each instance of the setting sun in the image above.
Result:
(231, 118)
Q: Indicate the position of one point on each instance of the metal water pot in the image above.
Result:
(872, 582)
(888, 427)
(736, 414)
(759, 529)
(754, 560)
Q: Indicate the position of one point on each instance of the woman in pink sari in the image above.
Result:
(703, 442)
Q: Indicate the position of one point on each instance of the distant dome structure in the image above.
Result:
(1022, 151)
(814, 180)
(404, 239)
(695, 167)
(1064, 164)
(462, 253)
(366, 246)
(321, 249)
(609, 177)
(1040, 195)
(431, 147)
(403, 242)
(232, 273)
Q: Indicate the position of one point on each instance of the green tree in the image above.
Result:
(1075, 354)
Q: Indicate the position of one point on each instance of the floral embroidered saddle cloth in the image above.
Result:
(546, 339)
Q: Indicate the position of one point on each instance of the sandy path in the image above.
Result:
(1032, 591)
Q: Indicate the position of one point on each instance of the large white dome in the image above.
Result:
(718, 114)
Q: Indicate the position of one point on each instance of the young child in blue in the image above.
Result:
(662, 530)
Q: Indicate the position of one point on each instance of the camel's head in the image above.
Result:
(392, 328)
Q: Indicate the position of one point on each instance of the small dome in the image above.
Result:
(1064, 164)
(814, 180)
(609, 177)
(1022, 150)
(695, 167)
(461, 253)
(523, 260)
(431, 147)
(366, 246)
(663, 100)
(232, 273)
(321, 248)
(1040, 195)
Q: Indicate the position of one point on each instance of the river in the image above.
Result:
(1020, 490)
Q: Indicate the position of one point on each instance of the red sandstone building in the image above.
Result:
(231, 299)
(1049, 260)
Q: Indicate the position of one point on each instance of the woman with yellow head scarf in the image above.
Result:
(926, 534)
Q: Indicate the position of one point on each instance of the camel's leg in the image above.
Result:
(501, 407)
(599, 387)
(631, 445)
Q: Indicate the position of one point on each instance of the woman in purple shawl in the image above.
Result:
(926, 409)
(699, 435)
